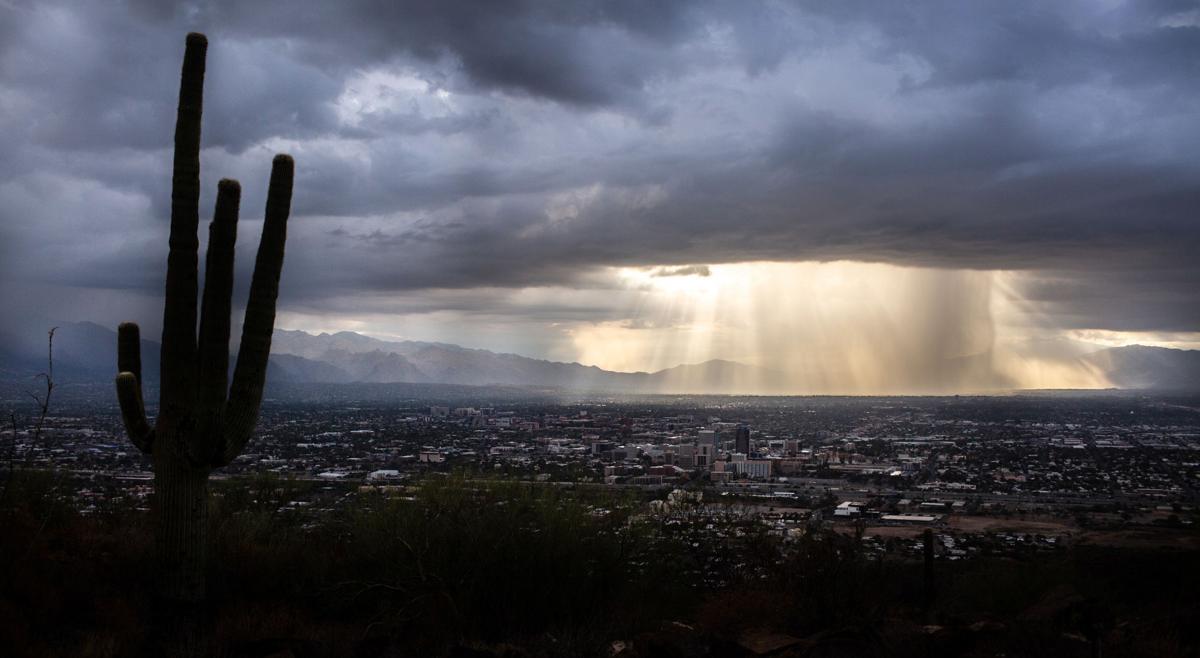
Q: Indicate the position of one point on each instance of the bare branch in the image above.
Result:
(44, 401)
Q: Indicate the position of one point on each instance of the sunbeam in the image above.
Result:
(838, 327)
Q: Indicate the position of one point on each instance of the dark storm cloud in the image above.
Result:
(587, 53)
(1138, 300)
(522, 143)
(1045, 44)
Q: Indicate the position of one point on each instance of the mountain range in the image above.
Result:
(87, 352)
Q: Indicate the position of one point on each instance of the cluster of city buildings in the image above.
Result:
(890, 460)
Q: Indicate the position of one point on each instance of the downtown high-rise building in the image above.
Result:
(741, 440)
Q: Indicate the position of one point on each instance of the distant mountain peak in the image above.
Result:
(86, 351)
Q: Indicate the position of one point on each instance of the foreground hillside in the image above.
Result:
(468, 569)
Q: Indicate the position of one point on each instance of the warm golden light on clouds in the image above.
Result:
(839, 327)
(1173, 340)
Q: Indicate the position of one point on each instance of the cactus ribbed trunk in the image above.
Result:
(180, 511)
(928, 590)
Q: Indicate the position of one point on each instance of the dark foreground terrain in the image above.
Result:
(465, 569)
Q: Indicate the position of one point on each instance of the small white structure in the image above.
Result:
(848, 508)
(909, 518)
(431, 457)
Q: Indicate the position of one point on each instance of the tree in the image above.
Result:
(203, 422)
(43, 407)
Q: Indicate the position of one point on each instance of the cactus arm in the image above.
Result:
(218, 289)
(129, 386)
(133, 413)
(129, 349)
(179, 314)
(249, 376)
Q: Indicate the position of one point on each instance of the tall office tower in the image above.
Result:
(741, 440)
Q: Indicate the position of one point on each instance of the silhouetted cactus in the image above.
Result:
(203, 422)
(927, 572)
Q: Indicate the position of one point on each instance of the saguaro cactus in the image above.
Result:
(927, 579)
(201, 425)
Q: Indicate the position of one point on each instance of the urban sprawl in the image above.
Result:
(987, 475)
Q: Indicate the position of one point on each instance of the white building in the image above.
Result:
(754, 468)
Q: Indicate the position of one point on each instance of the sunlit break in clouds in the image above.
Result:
(833, 197)
(837, 327)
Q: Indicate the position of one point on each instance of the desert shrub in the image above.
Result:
(460, 561)
(557, 572)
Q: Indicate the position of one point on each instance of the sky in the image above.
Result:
(857, 193)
